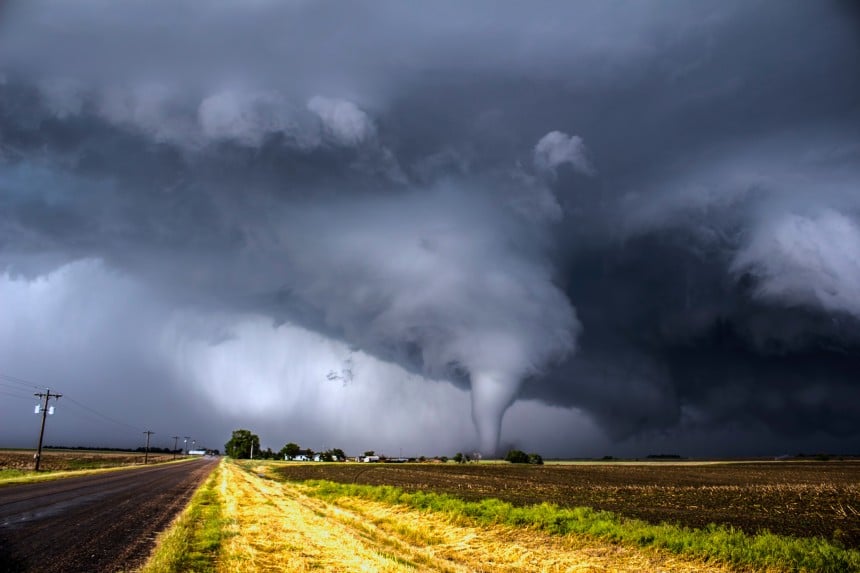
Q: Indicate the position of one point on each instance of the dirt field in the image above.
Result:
(792, 498)
(63, 460)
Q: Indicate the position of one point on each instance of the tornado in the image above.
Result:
(492, 395)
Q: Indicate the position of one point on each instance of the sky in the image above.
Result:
(577, 228)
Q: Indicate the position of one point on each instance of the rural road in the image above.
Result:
(103, 522)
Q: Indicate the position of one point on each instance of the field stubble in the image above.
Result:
(801, 499)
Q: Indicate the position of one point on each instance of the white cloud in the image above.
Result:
(343, 121)
(811, 260)
(152, 108)
(556, 148)
(275, 377)
(245, 117)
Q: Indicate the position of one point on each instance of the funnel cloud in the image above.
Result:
(580, 229)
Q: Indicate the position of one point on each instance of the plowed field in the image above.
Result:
(61, 460)
(802, 499)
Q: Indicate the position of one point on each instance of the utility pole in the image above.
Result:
(47, 396)
(146, 452)
(185, 445)
(175, 442)
(252, 449)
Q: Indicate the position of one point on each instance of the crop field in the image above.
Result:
(66, 460)
(801, 499)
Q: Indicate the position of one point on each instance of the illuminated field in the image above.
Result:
(802, 499)
(277, 526)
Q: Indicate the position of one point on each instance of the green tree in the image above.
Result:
(240, 444)
(290, 451)
(458, 457)
(369, 453)
(535, 459)
(338, 453)
(517, 457)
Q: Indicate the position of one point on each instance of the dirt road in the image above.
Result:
(104, 522)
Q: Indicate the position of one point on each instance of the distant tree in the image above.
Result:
(422, 459)
(444, 459)
(458, 457)
(517, 457)
(309, 453)
(240, 444)
(535, 459)
(369, 453)
(290, 450)
(326, 456)
(338, 453)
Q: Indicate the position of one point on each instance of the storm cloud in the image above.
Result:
(383, 225)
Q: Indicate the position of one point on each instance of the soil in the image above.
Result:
(105, 522)
(61, 460)
(803, 499)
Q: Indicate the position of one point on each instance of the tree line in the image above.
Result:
(245, 444)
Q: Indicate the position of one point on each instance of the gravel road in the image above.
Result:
(104, 522)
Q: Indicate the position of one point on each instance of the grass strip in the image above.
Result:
(716, 542)
(194, 539)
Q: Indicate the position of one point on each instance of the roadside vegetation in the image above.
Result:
(194, 539)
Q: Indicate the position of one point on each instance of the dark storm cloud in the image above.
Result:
(648, 213)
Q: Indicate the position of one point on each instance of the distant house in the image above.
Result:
(298, 458)
(196, 452)
(369, 459)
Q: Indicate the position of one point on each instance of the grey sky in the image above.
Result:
(603, 227)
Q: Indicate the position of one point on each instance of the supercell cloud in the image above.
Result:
(577, 228)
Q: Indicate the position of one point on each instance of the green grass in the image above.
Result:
(193, 541)
(6, 474)
(760, 551)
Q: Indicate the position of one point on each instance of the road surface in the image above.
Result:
(103, 522)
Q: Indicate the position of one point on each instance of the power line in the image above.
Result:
(15, 384)
(30, 384)
(104, 416)
(19, 396)
(19, 381)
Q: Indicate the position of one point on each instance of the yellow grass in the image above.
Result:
(276, 527)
